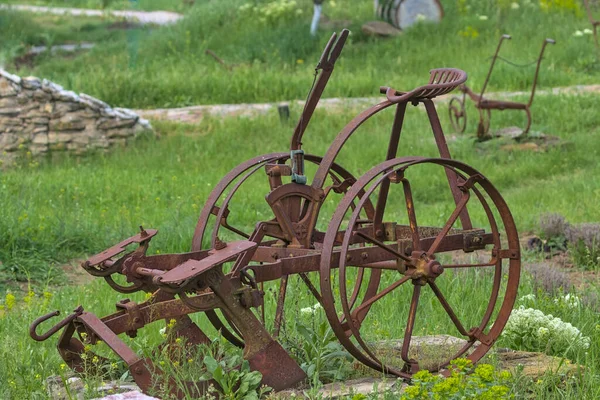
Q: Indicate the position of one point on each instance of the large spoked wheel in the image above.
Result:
(432, 279)
(457, 114)
(218, 218)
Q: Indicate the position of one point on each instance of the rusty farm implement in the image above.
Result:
(485, 106)
(368, 262)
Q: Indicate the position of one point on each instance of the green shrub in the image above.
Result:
(465, 382)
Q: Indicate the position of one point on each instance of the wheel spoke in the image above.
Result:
(383, 246)
(412, 217)
(455, 214)
(410, 324)
(448, 309)
(478, 265)
(367, 304)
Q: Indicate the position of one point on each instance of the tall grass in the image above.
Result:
(168, 67)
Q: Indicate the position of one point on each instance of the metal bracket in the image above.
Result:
(473, 240)
(297, 178)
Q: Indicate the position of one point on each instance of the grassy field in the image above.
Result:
(163, 183)
(65, 208)
(145, 5)
(274, 56)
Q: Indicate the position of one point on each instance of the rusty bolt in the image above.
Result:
(364, 255)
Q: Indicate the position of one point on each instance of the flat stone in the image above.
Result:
(40, 129)
(66, 95)
(31, 82)
(63, 107)
(36, 113)
(6, 102)
(8, 88)
(10, 112)
(115, 123)
(131, 395)
(126, 113)
(67, 123)
(535, 365)
(10, 77)
(528, 146)
(41, 138)
(380, 28)
(40, 120)
(40, 95)
(51, 87)
(59, 137)
(348, 389)
(93, 102)
(511, 132)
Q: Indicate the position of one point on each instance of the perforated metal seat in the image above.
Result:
(441, 81)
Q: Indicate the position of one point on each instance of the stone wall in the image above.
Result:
(39, 116)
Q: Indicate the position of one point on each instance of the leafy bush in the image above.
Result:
(235, 378)
(531, 329)
(465, 382)
(548, 278)
(318, 352)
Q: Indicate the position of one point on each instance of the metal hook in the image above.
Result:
(40, 338)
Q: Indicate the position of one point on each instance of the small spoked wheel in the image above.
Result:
(483, 128)
(457, 114)
(436, 277)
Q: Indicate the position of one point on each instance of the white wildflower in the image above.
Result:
(578, 33)
(533, 330)
(420, 17)
(163, 331)
(528, 297)
(514, 5)
(569, 300)
(483, 17)
(311, 310)
(588, 32)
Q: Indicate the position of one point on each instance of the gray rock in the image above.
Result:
(40, 129)
(6, 102)
(59, 137)
(40, 138)
(114, 123)
(93, 102)
(51, 87)
(108, 112)
(8, 88)
(68, 123)
(66, 95)
(380, 28)
(40, 95)
(31, 82)
(145, 124)
(63, 107)
(125, 113)
(57, 388)
(10, 112)
(10, 77)
(131, 395)
(120, 133)
(40, 121)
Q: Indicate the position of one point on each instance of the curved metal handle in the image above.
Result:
(40, 338)
(551, 41)
(505, 36)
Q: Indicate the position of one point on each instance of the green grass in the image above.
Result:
(65, 207)
(167, 67)
(145, 5)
